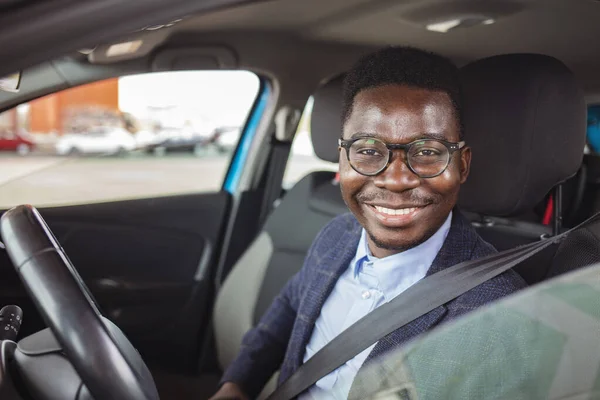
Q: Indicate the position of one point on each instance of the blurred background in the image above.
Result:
(133, 137)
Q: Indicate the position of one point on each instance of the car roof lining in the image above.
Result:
(553, 27)
(300, 44)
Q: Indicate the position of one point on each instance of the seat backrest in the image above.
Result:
(525, 119)
(279, 250)
(585, 192)
(578, 203)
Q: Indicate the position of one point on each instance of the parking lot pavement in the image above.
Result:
(13, 167)
(44, 180)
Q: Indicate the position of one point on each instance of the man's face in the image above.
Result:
(398, 114)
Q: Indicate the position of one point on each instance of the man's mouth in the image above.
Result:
(396, 211)
(396, 217)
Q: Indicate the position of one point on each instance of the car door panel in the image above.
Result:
(148, 264)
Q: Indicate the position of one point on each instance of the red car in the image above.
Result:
(10, 141)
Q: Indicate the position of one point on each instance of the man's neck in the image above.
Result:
(380, 251)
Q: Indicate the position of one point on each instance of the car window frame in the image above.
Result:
(249, 132)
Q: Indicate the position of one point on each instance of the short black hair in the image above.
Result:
(403, 66)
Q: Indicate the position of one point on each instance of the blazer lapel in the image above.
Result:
(330, 265)
(457, 247)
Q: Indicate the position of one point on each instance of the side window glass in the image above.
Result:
(132, 137)
(593, 128)
(303, 159)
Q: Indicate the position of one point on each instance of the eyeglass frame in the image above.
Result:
(452, 147)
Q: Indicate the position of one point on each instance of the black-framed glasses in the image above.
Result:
(426, 158)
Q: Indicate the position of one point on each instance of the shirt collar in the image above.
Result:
(410, 264)
(362, 253)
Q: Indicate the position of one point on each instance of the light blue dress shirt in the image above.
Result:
(368, 283)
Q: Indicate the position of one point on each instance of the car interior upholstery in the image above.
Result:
(527, 82)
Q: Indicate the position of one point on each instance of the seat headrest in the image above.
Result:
(326, 119)
(525, 119)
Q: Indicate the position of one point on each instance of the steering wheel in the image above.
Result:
(106, 362)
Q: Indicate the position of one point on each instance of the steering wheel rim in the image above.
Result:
(107, 363)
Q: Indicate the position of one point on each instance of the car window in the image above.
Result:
(131, 137)
(593, 128)
(303, 159)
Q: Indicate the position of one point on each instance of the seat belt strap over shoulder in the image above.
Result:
(425, 295)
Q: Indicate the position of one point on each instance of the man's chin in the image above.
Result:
(389, 242)
(398, 240)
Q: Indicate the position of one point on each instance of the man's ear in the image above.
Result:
(465, 164)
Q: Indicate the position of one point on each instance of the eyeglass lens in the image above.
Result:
(426, 158)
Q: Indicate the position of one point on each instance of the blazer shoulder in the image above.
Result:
(343, 222)
(482, 248)
(336, 228)
(499, 286)
(341, 229)
(507, 282)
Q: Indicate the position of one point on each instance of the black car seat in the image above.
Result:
(577, 202)
(279, 250)
(525, 119)
(582, 247)
(585, 192)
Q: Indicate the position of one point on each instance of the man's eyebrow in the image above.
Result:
(426, 135)
(433, 135)
(363, 135)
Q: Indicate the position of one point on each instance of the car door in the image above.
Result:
(143, 230)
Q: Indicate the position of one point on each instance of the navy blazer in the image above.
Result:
(280, 338)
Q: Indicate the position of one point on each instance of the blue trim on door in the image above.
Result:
(239, 159)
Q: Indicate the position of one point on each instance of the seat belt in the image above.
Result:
(278, 156)
(286, 122)
(424, 296)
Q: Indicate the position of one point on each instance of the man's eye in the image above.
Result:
(427, 153)
(369, 152)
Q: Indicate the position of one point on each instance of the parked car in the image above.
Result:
(145, 139)
(223, 139)
(11, 141)
(191, 144)
(96, 141)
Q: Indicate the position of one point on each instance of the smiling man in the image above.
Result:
(402, 161)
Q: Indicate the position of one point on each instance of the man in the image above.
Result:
(402, 161)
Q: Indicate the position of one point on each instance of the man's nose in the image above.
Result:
(397, 177)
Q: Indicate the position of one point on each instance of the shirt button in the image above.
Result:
(366, 295)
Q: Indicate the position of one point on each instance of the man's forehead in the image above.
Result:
(394, 118)
(398, 93)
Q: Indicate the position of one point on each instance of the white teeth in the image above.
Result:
(400, 211)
